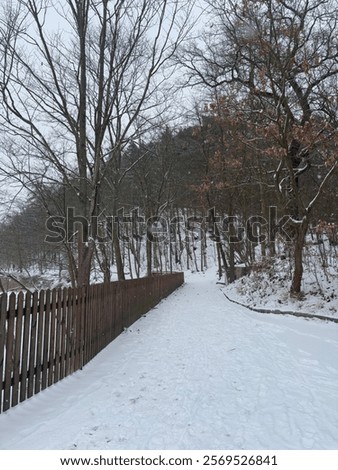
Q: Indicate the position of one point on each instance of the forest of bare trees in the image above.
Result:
(122, 179)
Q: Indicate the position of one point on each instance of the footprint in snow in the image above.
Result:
(134, 400)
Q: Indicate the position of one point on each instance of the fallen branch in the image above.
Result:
(10, 276)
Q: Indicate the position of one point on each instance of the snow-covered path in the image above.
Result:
(196, 373)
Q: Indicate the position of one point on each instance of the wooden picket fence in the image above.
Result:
(47, 335)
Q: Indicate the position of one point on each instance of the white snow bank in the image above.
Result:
(269, 288)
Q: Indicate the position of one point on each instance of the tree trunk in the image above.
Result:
(231, 268)
(298, 258)
(85, 254)
(149, 255)
(117, 252)
(219, 261)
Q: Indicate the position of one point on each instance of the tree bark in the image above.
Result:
(117, 252)
(298, 258)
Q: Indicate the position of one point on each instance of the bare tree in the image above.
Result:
(74, 96)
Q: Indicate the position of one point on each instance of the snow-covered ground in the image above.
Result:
(198, 372)
(268, 286)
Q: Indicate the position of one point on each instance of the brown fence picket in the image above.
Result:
(68, 368)
(58, 335)
(118, 312)
(63, 338)
(73, 332)
(33, 343)
(25, 346)
(40, 330)
(46, 340)
(68, 318)
(48, 335)
(87, 330)
(96, 312)
(3, 327)
(51, 356)
(17, 350)
(106, 296)
(77, 327)
(85, 326)
(9, 352)
(82, 326)
(91, 299)
(96, 323)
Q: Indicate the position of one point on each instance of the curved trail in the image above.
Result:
(196, 373)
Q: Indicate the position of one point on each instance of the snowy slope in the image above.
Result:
(196, 373)
(270, 288)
